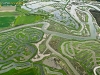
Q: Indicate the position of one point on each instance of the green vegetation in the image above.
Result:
(69, 50)
(76, 26)
(86, 18)
(56, 42)
(42, 46)
(88, 27)
(83, 51)
(57, 27)
(79, 16)
(54, 26)
(27, 19)
(82, 15)
(39, 25)
(10, 2)
(71, 26)
(6, 21)
(50, 71)
(9, 14)
(78, 66)
(16, 47)
(21, 11)
(33, 70)
(90, 45)
(12, 71)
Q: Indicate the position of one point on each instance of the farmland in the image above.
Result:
(7, 14)
(27, 19)
(6, 21)
(9, 2)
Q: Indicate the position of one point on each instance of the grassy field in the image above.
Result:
(7, 14)
(27, 71)
(27, 19)
(6, 21)
(56, 27)
(31, 71)
(39, 25)
(9, 2)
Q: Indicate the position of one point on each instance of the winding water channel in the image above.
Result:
(93, 35)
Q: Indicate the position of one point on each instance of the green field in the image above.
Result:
(9, 2)
(34, 70)
(7, 14)
(27, 19)
(6, 21)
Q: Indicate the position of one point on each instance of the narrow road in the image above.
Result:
(59, 55)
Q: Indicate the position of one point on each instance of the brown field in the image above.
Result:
(7, 8)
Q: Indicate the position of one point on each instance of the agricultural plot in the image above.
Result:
(20, 20)
(9, 14)
(9, 2)
(6, 21)
(16, 48)
(29, 71)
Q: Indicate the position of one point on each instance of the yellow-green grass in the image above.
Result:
(27, 19)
